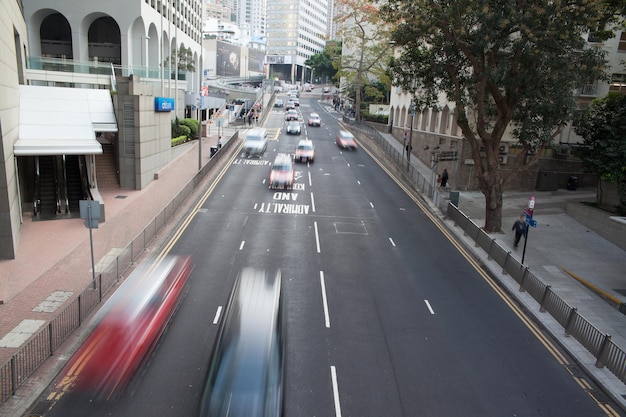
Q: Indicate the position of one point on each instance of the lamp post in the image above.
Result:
(410, 148)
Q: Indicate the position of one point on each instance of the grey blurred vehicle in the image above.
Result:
(256, 142)
(293, 127)
(246, 371)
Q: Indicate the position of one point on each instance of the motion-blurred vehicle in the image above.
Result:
(314, 120)
(293, 127)
(127, 328)
(305, 151)
(346, 140)
(291, 114)
(290, 105)
(256, 142)
(281, 172)
(294, 92)
(278, 102)
(245, 376)
(326, 90)
(296, 102)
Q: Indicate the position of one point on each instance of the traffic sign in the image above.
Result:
(531, 222)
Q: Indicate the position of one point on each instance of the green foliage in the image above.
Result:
(376, 118)
(603, 128)
(185, 131)
(508, 66)
(192, 124)
(184, 60)
(179, 140)
(176, 128)
(323, 63)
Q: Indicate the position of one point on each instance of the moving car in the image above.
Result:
(314, 120)
(294, 92)
(290, 105)
(296, 102)
(256, 142)
(326, 90)
(127, 328)
(291, 114)
(246, 372)
(281, 172)
(278, 102)
(346, 140)
(293, 127)
(305, 151)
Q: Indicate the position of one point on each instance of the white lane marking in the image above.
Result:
(312, 203)
(317, 238)
(348, 165)
(216, 319)
(243, 242)
(333, 376)
(392, 242)
(310, 180)
(325, 300)
(429, 307)
(255, 206)
(358, 182)
(371, 204)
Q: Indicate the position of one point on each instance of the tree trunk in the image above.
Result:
(493, 207)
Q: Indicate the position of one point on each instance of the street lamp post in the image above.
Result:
(410, 148)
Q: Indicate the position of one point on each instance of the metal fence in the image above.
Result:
(599, 344)
(44, 343)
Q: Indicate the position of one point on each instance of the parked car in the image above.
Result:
(346, 140)
(314, 120)
(278, 102)
(293, 127)
(256, 142)
(281, 172)
(291, 114)
(305, 151)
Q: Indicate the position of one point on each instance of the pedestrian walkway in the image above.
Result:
(558, 242)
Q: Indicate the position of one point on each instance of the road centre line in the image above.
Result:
(392, 242)
(333, 376)
(312, 203)
(243, 242)
(218, 313)
(371, 204)
(324, 300)
(429, 307)
(317, 238)
(310, 180)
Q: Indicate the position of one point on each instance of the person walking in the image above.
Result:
(520, 229)
(444, 178)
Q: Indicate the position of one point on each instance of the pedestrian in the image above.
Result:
(520, 229)
(444, 178)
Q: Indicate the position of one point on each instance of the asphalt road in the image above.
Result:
(386, 317)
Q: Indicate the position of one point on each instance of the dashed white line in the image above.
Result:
(310, 181)
(243, 242)
(325, 300)
(312, 203)
(216, 319)
(429, 307)
(392, 242)
(317, 238)
(333, 376)
(371, 204)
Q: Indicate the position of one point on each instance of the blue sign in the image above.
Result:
(163, 104)
(531, 223)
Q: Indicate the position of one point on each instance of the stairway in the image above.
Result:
(106, 168)
(47, 187)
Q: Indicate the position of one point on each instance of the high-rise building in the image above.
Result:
(296, 30)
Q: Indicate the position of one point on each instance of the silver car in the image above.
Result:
(256, 142)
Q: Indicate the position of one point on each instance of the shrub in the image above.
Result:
(193, 125)
(179, 140)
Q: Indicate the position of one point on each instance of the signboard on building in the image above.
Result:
(163, 104)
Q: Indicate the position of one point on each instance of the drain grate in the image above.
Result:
(40, 409)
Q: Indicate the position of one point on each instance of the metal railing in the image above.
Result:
(43, 344)
(598, 343)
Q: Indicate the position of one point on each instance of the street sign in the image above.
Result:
(90, 211)
(532, 223)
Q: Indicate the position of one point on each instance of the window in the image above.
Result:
(622, 43)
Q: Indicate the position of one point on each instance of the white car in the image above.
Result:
(255, 143)
(314, 120)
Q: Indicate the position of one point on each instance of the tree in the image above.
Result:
(322, 63)
(603, 128)
(184, 60)
(509, 67)
(365, 44)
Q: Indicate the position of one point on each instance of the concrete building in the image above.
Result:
(89, 90)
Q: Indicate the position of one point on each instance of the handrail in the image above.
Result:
(67, 200)
(36, 197)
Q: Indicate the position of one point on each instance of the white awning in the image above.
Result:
(63, 121)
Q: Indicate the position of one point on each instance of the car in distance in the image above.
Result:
(281, 172)
(346, 140)
(314, 120)
(245, 376)
(291, 114)
(305, 151)
(256, 142)
(278, 102)
(293, 127)
(296, 102)
(326, 90)
(290, 105)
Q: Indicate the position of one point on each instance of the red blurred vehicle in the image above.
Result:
(128, 327)
(305, 151)
(281, 172)
(346, 140)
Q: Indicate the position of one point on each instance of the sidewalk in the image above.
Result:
(557, 242)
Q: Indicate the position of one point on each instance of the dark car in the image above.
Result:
(346, 140)
(246, 372)
(293, 127)
(281, 172)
